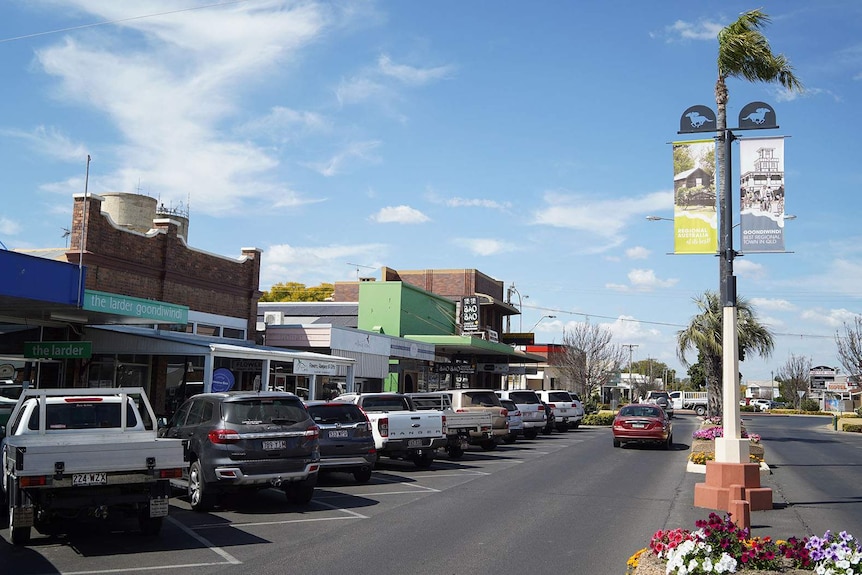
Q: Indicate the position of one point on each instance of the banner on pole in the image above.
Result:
(695, 217)
(761, 188)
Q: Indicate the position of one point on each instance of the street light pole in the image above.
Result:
(540, 321)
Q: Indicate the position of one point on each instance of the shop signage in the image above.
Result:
(314, 367)
(502, 368)
(469, 313)
(463, 368)
(58, 349)
(255, 365)
(158, 311)
(223, 380)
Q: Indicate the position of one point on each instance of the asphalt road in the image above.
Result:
(565, 503)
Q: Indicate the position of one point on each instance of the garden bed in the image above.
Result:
(649, 564)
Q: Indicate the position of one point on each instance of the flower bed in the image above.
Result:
(719, 546)
(703, 443)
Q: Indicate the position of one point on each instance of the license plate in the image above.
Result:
(414, 443)
(280, 444)
(639, 425)
(84, 479)
(338, 433)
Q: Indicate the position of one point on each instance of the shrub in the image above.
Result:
(853, 427)
(859, 411)
(748, 408)
(809, 405)
(598, 419)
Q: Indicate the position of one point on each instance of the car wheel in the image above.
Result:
(150, 526)
(200, 497)
(531, 433)
(424, 461)
(669, 443)
(362, 476)
(299, 493)
(562, 428)
(455, 451)
(488, 445)
(575, 425)
(617, 442)
(509, 439)
(700, 410)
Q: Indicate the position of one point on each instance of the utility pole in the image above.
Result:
(631, 347)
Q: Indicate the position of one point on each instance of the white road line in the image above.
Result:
(260, 523)
(139, 569)
(227, 556)
(343, 510)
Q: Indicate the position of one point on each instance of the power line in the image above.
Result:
(106, 22)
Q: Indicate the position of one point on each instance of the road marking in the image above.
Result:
(285, 522)
(206, 543)
(343, 510)
(139, 569)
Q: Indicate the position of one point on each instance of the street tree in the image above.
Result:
(744, 52)
(794, 376)
(850, 347)
(589, 359)
(658, 373)
(295, 291)
(704, 335)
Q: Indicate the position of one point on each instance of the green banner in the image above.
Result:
(158, 311)
(58, 349)
(695, 214)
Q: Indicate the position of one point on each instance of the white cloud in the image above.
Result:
(282, 262)
(701, 30)
(485, 246)
(833, 318)
(605, 218)
(356, 150)
(628, 330)
(638, 253)
(50, 142)
(9, 227)
(771, 304)
(399, 215)
(284, 123)
(409, 74)
(358, 89)
(477, 203)
(647, 280)
(748, 269)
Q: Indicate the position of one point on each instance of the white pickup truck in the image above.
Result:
(694, 400)
(460, 427)
(400, 431)
(74, 453)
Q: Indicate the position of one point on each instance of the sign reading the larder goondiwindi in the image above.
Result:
(158, 311)
(695, 217)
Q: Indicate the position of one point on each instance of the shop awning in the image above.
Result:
(447, 345)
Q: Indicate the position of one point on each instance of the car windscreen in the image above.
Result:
(11, 391)
(483, 398)
(277, 410)
(509, 404)
(640, 411)
(528, 397)
(385, 403)
(82, 415)
(346, 413)
(559, 396)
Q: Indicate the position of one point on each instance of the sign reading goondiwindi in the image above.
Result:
(158, 311)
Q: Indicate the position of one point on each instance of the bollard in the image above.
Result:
(835, 423)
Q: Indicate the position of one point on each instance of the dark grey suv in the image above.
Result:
(247, 441)
(346, 440)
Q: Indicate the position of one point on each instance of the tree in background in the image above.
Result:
(704, 335)
(659, 375)
(294, 291)
(589, 359)
(850, 347)
(794, 377)
(697, 378)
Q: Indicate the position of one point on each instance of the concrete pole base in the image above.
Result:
(727, 484)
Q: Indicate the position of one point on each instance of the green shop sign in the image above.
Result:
(58, 349)
(158, 311)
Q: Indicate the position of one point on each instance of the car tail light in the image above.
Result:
(504, 412)
(552, 405)
(222, 436)
(312, 432)
(444, 421)
(34, 481)
(383, 426)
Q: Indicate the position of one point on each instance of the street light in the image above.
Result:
(657, 218)
(509, 291)
(540, 321)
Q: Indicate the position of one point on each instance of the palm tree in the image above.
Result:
(744, 52)
(704, 335)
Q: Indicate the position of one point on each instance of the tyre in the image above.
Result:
(562, 428)
(17, 535)
(423, 461)
(575, 425)
(455, 451)
(700, 410)
(200, 496)
(510, 439)
(299, 493)
(362, 476)
(531, 433)
(488, 445)
(668, 444)
(617, 442)
(150, 526)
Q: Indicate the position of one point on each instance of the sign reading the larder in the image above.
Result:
(469, 313)
(314, 367)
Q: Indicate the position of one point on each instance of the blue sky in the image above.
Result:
(528, 140)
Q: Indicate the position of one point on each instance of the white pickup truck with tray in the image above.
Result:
(698, 401)
(460, 427)
(400, 431)
(82, 452)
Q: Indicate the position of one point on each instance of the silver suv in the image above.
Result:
(245, 440)
(662, 399)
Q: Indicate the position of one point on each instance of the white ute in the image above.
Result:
(82, 452)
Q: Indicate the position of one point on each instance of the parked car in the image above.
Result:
(762, 404)
(246, 441)
(346, 440)
(567, 407)
(516, 423)
(484, 401)
(550, 419)
(661, 398)
(9, 394)
(532, 411)
(642, 423)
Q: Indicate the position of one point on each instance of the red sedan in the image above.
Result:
(643, 423)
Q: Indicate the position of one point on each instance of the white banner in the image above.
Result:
(761, 189)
